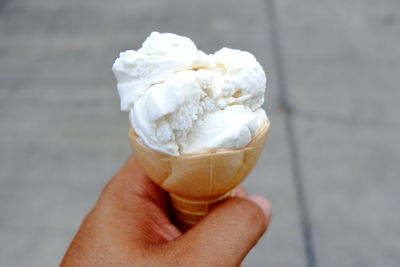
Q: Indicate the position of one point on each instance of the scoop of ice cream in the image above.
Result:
(184, 101)
(160, 56)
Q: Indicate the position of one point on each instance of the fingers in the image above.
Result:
(241, 191)
(131, 181)
(131, 202)
(228, 233)
(264, 204)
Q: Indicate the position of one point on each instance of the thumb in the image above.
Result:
(226, 235)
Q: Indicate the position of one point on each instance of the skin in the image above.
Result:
(129, 226)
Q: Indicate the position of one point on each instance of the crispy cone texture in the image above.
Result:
(197, 182)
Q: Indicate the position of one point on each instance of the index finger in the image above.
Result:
(131, 181)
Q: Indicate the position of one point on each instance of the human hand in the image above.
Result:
(129, 226)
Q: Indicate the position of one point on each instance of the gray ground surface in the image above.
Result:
(331, 166)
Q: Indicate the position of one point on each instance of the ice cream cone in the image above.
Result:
(197, 182)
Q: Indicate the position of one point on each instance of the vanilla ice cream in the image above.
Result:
(184, 101)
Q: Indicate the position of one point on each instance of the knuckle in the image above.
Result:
(176, 261)
(178, 258)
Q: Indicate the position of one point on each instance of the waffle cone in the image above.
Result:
(197, 182)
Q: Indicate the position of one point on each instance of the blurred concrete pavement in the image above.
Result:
(331, 164)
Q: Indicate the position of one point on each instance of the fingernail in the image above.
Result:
(264, 204)
(173, 232)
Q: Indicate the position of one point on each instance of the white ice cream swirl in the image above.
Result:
(184, 101)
